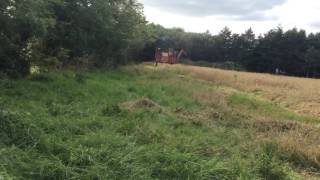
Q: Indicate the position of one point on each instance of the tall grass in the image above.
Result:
(132, 123)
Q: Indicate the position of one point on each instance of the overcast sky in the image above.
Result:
(238, 15)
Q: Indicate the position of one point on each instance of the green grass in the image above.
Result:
(64, 125)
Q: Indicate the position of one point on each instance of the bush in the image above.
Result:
(13, 67)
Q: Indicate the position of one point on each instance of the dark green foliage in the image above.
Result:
(313, 62)
(280, 50)
(22, 24)
(57, 33)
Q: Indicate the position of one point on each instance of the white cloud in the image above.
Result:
(261, 17)
(213, 7)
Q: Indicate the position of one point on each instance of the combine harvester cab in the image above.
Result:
(169, 57)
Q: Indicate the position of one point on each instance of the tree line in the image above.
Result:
(292, 52)
(53, 34)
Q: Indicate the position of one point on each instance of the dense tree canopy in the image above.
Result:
(56, 33)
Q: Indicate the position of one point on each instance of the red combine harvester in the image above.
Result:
(170, 57)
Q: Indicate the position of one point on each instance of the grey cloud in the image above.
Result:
(315, 24)
(255, 16)
(244, 9)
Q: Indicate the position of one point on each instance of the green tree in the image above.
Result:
(107, 31)
(223, 45)
(22, 22)
(313, 62)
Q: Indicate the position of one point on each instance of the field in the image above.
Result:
(169, 122)
(299, 94)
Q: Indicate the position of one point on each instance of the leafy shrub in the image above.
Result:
(14, 68)
(3, 75)
(63, 55)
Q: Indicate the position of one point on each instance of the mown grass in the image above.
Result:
(260, 107)
(136, 123)
(301, 95)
